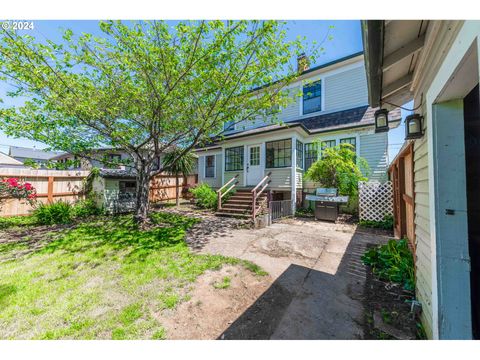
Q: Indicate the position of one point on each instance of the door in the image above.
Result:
(254, 166)
(471, 108)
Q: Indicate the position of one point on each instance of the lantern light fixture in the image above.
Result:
(413, 127)
(381, 120)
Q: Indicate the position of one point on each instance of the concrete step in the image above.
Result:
(244, 216)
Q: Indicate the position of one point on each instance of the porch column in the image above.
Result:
(293, 181)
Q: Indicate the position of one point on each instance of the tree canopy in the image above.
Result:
(145, 87)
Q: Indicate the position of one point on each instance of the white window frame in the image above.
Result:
(214, 167)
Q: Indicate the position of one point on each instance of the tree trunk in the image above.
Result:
(177, 192)
(143, 192)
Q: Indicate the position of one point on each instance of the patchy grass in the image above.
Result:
(224, 284)
(101, 279)
(17, 221)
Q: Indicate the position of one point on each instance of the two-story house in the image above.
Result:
(332, 109)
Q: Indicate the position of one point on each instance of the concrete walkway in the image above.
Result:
(317, 279)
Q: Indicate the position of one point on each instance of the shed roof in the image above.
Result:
(118, 173)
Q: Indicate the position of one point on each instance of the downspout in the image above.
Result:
(372, 35)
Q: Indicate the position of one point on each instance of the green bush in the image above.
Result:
(59, 212)
(88, 207)
(386, 224)
(205, 196)
(392, 262)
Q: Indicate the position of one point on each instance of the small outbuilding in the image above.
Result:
(114, 189)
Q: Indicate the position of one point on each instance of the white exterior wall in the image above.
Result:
(215, 182)
(373, 147)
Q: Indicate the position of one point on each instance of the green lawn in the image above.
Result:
(101, 279)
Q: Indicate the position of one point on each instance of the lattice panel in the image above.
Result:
(375, 200)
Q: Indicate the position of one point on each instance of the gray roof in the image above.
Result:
(345, 119)
(29, 153)
(8, 160)
(118, 173)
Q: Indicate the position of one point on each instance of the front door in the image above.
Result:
(471, 108)
(254, 165)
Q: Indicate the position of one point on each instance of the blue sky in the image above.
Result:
(346, 40)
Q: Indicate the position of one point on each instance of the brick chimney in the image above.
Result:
(303, 63)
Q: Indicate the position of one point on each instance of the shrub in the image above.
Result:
(12, 187)
(386, 223)
(205, 196)
(304, 212)
(392, 262)
(59, 212)
(88, 207)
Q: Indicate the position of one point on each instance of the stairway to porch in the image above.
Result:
(239, 204)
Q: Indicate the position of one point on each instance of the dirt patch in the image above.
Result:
(212, 308)
(388, 314)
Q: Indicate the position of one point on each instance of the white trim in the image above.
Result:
(293, 173)
(223, 166)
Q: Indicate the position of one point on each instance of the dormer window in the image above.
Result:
(312, 97)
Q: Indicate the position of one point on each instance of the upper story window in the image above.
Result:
(229, 125)
(279, 153)
(352, 141)
(311, 154)
(299, 154)
(210, 166)
(312, 97)
(113, 161)
(234, 158)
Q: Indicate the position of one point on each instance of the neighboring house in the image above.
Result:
(436, 64)
(332, 110)
(38, 155)
(94, 160)
(9, 162)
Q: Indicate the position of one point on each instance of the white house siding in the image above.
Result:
(280, 178)
(216, 181)
(230, 174)
(422, 233)
(373, 147)
(347, 89)
(299, 177)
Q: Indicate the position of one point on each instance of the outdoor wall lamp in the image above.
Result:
(381, 120)
(413, 127)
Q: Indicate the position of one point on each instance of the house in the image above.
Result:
(332, 109)
(435, 64)
(102, 158)
(38, 155)
(9, 162)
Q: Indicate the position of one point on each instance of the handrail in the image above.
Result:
(261, 181)
(220, 195)
(255, 194)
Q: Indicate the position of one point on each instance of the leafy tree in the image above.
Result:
(179, 164)
(339, 168)
(144, 87)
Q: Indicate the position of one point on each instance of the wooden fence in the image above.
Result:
(67, 185)
(162, 187)
(51, 185)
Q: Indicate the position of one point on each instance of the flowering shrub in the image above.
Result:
(12, 187)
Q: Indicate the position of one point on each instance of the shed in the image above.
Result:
(114, 189)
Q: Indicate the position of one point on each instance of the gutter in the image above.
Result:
(372, 35)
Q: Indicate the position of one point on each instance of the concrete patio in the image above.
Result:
(317, 279)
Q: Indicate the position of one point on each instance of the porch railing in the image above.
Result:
(221, 193)
(280, 209)
(262, 185)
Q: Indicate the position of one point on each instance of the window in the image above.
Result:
(328, 144)
(113, 161)
(234, 158)
(312, 97)
(229, 125)
(299, 147)
(127, 186)
(311, 154)
(279, 153)
(351, 141)
(210, 166)
(255, 155)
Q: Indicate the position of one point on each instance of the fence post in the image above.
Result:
(50, 189)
